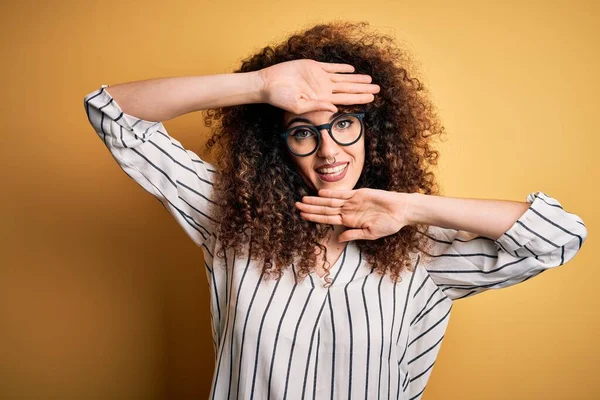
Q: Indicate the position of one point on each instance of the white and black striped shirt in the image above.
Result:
(362, 337)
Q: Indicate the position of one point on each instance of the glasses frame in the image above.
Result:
(318, 128)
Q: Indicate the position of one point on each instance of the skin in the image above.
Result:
(328, 149)
(372, 213)
(354, 154)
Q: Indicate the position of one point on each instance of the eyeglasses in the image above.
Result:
(304, 140)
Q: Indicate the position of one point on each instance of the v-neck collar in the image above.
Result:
(334, 271)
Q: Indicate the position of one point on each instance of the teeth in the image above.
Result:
(332, 170)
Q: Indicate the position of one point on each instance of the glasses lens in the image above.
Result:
(302, 140)
(346, 129)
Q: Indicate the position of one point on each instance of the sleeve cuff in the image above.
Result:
(136, 127)
(543, 227)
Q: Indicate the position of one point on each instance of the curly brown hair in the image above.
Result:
(258, 184)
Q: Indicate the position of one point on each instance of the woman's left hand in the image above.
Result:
(373, 213)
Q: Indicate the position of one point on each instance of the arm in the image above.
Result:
(464, 263)
(298, 86)
(472, 245)
(490, 218)
(176, 177)
(128, 119)
(162, 99)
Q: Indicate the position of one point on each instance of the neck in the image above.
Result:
(332, 238)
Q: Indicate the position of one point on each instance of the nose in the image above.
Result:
(328, 147)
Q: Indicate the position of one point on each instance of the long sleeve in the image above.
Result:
(544, 237)
(177, 177)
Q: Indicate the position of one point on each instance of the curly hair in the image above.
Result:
(258, 184)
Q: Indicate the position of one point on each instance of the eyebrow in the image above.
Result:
(308, 121)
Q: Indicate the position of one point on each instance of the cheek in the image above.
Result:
(306, 173)
(360, 161)
(359, 153)
(303, 167)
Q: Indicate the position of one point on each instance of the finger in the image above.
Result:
(345, 87)
(336, 194)
(323, 210)
(322, 219)
(344, 98)
(336, 67)
(358, 78)
(323, 201)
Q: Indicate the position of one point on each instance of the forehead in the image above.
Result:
(314, 115)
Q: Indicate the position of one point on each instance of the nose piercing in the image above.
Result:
(327, 162)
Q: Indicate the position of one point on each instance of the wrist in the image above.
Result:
(257, 83)
(413, 213)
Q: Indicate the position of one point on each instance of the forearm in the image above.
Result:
(489, 218)
(162, 99)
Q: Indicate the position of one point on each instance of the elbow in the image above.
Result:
(568, 251)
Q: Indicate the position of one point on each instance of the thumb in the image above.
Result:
(351, 234)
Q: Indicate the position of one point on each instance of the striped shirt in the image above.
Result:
(362, 337)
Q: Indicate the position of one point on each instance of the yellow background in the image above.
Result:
(103, 296)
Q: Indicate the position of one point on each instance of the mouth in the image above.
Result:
(332, 174)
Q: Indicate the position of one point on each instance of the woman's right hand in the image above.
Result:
(301, 86)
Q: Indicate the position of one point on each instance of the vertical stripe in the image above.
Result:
(316, 365)
(222, 345)
(382, 336)
(216, 290)
(368, 338)
(412, 277)
(278, 331)
(244, 333)
(231, 354)
(391, 335)
(289, 367)
(333, 341)
(312, 336)
(262, 321)
(350, 325)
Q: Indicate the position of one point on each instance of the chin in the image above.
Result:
(343, 184)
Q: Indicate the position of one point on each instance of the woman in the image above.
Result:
(332, 260)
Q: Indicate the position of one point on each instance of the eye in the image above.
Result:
(347, 121)
(302, 133)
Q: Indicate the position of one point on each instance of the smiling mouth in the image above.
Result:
(332, 171)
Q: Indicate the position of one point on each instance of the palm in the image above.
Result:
(370, 213)
(301, 86)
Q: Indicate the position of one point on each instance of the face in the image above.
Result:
(311, 167)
